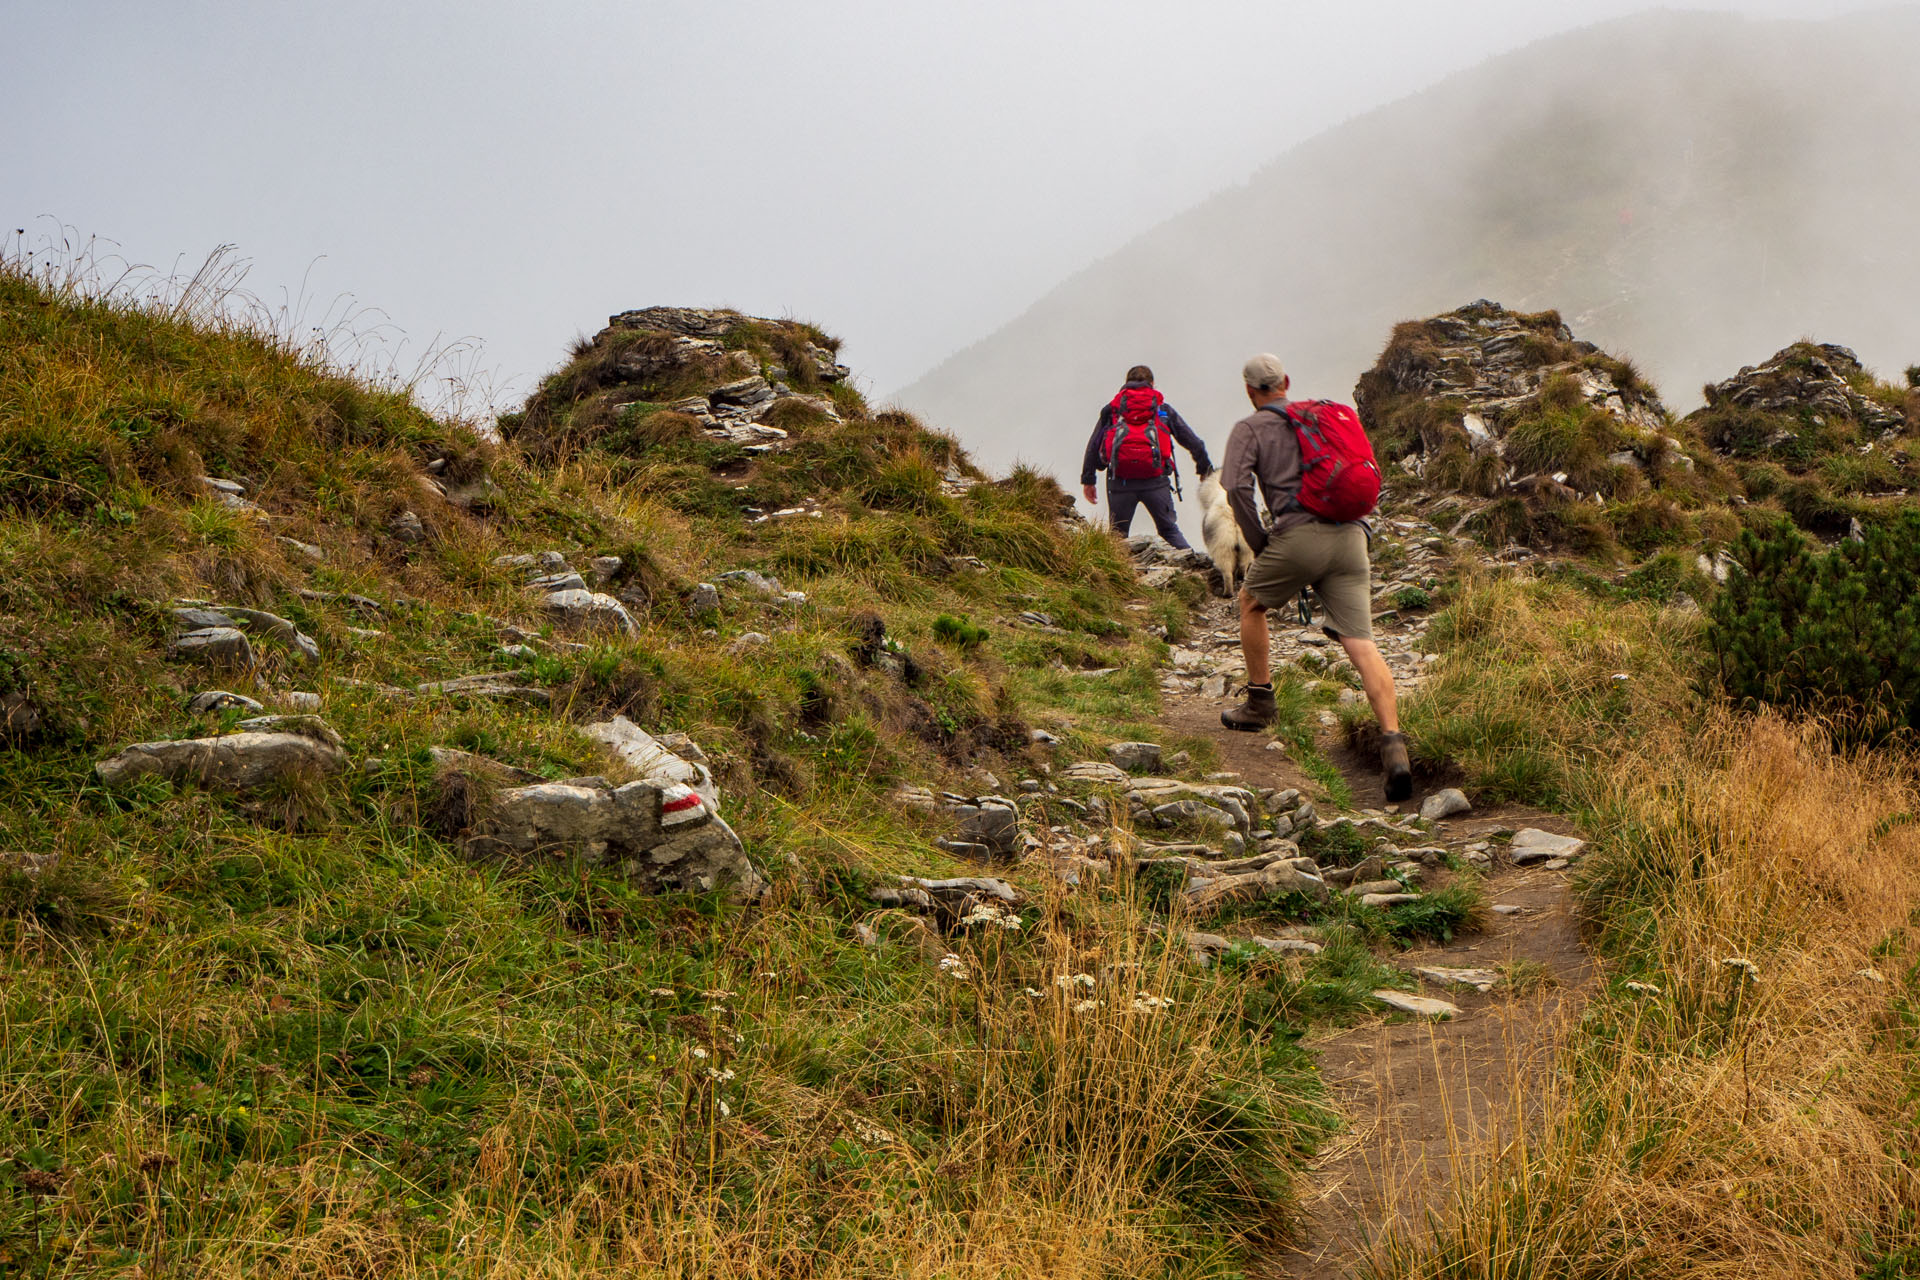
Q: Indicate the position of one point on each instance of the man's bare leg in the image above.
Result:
(1256, 643)
(1375, 678)
(1258, 710)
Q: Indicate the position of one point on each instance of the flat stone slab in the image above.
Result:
(221, 700)
(1481, 980)
(1135, 755)
(1534, 845)
(1387, 899)
(590, 610)
(647, 756)
(1298, 945)
(1444, 804)
(213, 645)
(281, 748)
(1419, 1006)
(1096, 771)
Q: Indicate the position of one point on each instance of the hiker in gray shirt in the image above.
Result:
(1299, 549)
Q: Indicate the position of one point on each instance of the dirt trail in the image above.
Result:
(1416, 1095)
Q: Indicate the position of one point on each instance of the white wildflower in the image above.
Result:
(1031, 993)
(1643, 988)
(660, 991)
(1147, 1004)
(1744, 965)
(1871, 975)
(725, 1110)
(1085, 1006)
(716, 995)
(954, 967)
(716, 1008)
(871, 1134)
(1071, 980)
(987, 913)
(697, 1052)
(715, 1073)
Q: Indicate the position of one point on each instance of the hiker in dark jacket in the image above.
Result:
(1133, 443)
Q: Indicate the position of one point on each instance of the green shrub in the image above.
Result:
(959, 631)
(1834, 633)
(1410, 598)
(1913, 375)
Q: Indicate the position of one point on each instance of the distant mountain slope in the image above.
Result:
(1686, 189)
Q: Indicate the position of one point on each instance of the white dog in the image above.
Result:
(1225, 546)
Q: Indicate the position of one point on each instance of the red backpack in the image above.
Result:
(1339, 478)
(1138, 444)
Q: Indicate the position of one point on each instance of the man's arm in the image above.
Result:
(1189, 441)
(1093, 462)
(1237, 474)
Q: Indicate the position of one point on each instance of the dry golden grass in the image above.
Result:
(1745, 1109)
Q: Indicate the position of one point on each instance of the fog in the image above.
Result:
(1692, 191)
(915, 177)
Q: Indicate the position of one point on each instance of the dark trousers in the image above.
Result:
(1158, 501)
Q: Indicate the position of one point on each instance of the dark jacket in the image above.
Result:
(1182, 434)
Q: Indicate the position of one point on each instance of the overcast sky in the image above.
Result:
(909, 175)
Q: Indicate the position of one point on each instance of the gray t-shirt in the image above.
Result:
(1263, 450)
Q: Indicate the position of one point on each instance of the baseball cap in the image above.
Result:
(1264, 372)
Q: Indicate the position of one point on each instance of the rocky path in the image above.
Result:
(1419, 1096)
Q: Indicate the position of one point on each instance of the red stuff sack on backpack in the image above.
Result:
(1339, 477)
(1138, 445)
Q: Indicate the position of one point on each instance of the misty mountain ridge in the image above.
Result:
(1693, 191)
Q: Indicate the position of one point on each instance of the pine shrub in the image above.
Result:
(1834, 633)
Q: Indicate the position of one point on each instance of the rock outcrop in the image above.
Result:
(219, 633)
(266, 750)
(662, 835)
(652, 356)
(1465, 382)
(1491, 361)
(1816, 379)
(662, 830)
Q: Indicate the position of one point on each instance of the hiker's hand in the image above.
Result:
(1204, 472)
(1092, 493)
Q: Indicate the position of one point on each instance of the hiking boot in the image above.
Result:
(1394, 763)
(1256, 713)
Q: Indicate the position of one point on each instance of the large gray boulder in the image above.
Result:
(275, 749)
(1531, 845)
(1140, 756)
(279, 628)
(1445, 804)
(215, 646)
(204, 629)
(662, 835)
(647, 756)
(663, 829)
(589, 610)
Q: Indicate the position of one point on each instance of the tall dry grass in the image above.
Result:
(1740, 1099)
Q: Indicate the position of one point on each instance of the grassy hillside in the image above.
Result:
(303, 1031)
(296, 1032)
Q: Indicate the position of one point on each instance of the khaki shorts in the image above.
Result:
(1330, 558)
